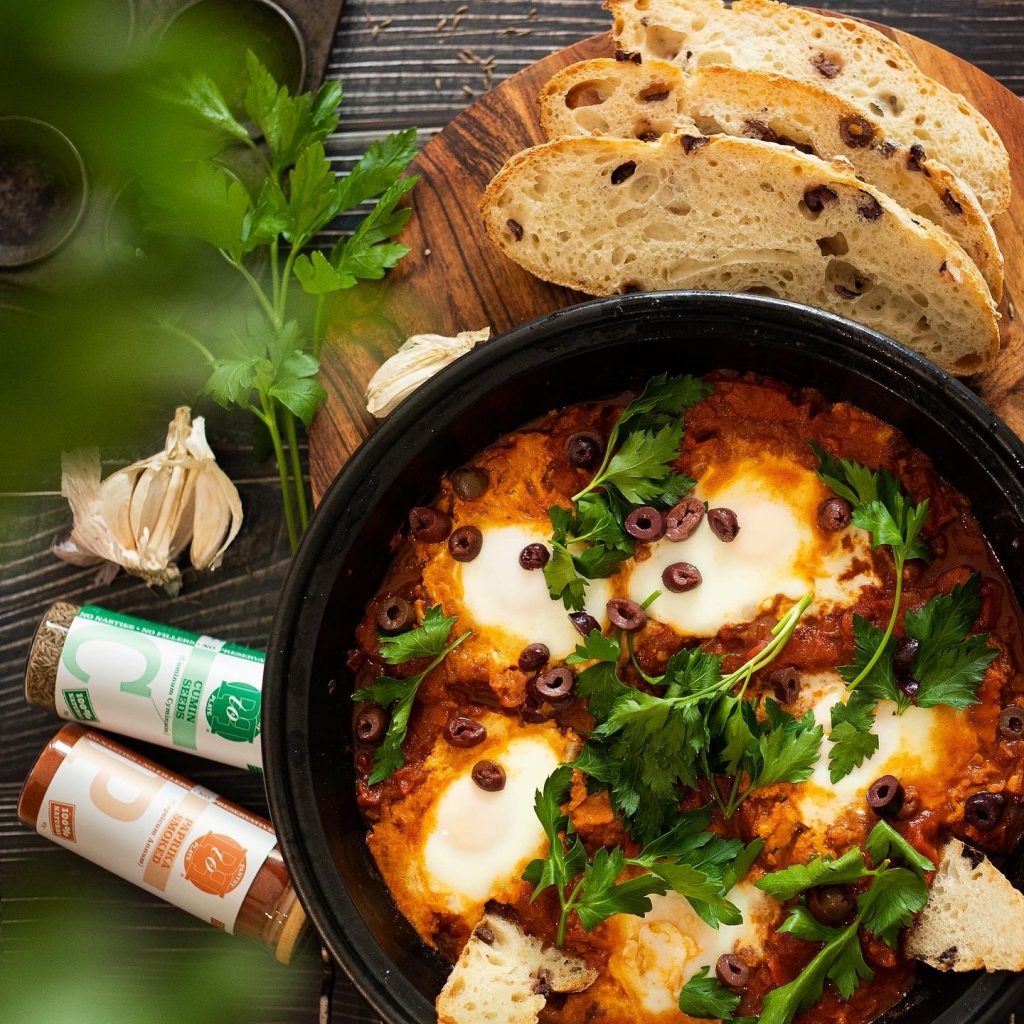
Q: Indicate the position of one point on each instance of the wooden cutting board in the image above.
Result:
(454, 279)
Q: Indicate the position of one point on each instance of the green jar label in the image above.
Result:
(163, 685)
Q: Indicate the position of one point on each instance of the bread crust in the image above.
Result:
(630, 100)
(846, 57)
(666, 223)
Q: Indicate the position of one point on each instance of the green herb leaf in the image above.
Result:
(802, 924)
(663, 401)
(377, 169)
(641, 470)
(885, 843)
(601, 896)
(318, 277)
(949, 665)
(895, 896)
(706, 997)
(851, 736)
(784, 885)
(429, 639)
(201, 96)
(313, 195)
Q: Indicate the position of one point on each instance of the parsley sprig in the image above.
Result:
(881, 508)
(428, 640)
(638, 468)
(897, 891)
(948, 668)
(259, 212)
(645, 746)
(688, 860)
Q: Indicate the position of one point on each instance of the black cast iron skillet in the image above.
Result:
(588, 351)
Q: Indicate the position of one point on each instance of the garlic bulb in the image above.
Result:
(416, 361)
(142, 517)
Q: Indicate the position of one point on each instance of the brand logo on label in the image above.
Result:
(80, 705)
(233, 712)
(62, 820)
(215, 863)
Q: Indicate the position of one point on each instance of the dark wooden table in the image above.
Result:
(403, 62)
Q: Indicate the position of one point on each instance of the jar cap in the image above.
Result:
(293, 930)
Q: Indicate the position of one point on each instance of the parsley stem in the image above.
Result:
(297, 477)
(650, 680)
(567, 908)
(269, 418)
(866, 671)
(275, 282)
(260, 294)
(595, 480)
(286, 276)
(192, 340)
(318, 326)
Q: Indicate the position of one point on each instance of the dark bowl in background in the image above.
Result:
(591, 350)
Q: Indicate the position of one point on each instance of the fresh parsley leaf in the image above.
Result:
(663, 400)
(851, 736)
(885, 843)
(200, 95)
(949, 665)
(565, 859)
(881, 508)
(599, 683)
(802, 924)
(377, 169)
(429, 639)
(878, 679)
(784, 885)
(787, 752)
(895, 896)
(313, 195)
(601, 895)
(641, 470)
(840, 961)
(706, 997)
(318, 277)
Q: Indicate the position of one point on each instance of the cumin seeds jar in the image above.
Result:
(151, 682)
(155, 829)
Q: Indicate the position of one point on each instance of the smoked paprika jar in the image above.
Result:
(156, 829)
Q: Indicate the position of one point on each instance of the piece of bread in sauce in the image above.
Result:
(606, 216)
(844, 56)
(503, 976)
(974, 917)
(629, 100)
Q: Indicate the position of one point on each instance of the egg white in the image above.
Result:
(779, 551)
(512, 603)
(657, 954)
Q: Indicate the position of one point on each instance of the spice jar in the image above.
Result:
(154, 683)
(155, 829)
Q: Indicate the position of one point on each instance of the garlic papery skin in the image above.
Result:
(419, 358)
(142, 517)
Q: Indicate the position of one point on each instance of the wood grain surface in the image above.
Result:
(455, 279)
(402, 62)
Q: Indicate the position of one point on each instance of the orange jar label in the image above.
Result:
(215, 863)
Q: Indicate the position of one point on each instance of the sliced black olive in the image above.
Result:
(534, 556)
(626, 614)
(785, 684)
(724, 524)
(465, 543)
(731, 971)
(554, 686)
(903, 659)
(683, 519)
(681, 576)
(394, 615)
(831, 904)
(584, 622)
(489, 776)
(461, 731)
(1011, 722)
(430, 525)
(583, 449)
(645, 523)
(834, 514)
(371, 724)
(533, 657)
(984, 810)
(885, 797)
(469, 483)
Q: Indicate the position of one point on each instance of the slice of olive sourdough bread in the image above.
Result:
(974, 917)
(612, 215)
(644, 100)
(844, 56)
(504, 976)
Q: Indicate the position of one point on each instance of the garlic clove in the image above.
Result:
(217, 519)
(419, 359)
